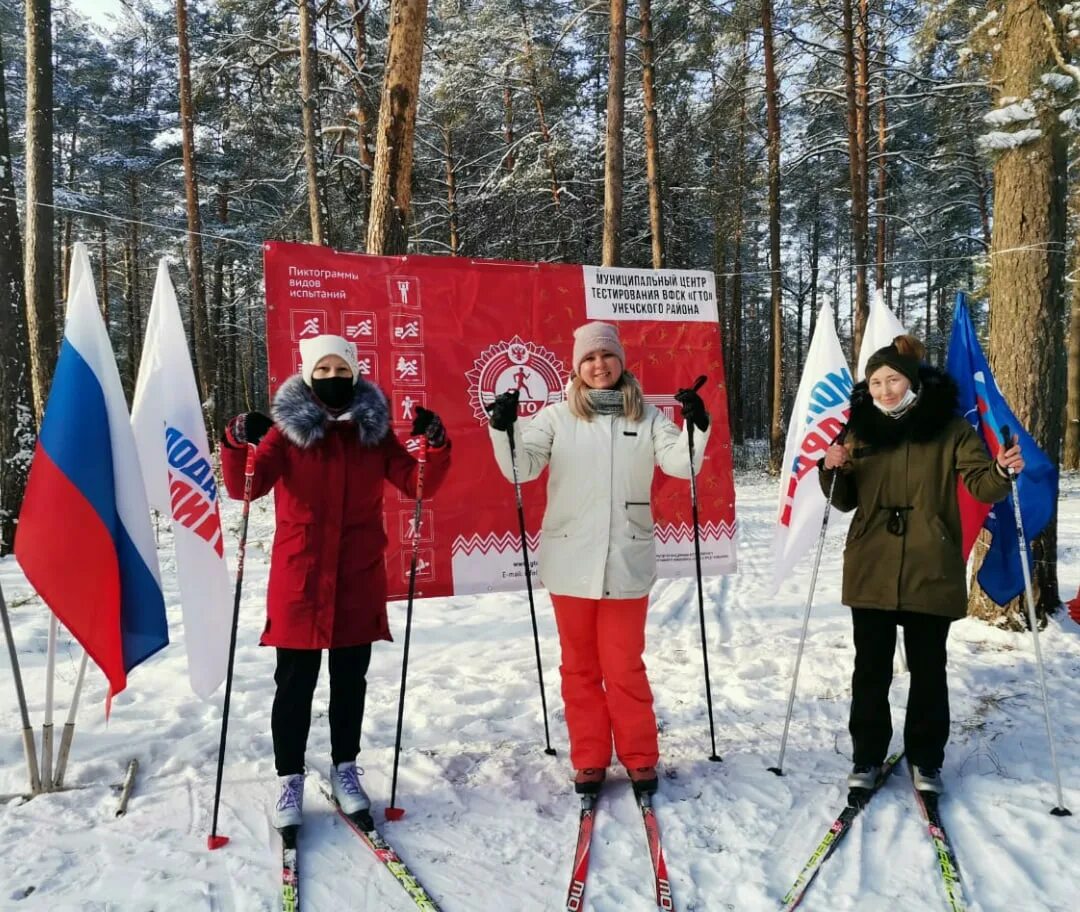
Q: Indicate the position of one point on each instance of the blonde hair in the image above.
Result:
(910, 347)
(577, 398)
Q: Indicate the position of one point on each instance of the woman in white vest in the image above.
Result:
(597, 553)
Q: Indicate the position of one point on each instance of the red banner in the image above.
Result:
(450, 334)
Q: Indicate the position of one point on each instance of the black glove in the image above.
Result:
(503, 411)
(693, 409)
(430, 425)
(250, 427)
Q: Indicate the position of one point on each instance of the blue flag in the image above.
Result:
(981, 403)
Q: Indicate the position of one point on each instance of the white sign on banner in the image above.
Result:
(674, 295)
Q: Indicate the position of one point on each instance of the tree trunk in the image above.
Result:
(1071, 455)
(652, 140)
(1026, 348)
(775, 391)
(16, 391)
(225, 363)
(815, 259)
(735, 384)
(613, 141)
(901, 307)
(309, 113)
(39, 257)
(451, 189)
(391, 192)
(204, 348)
(65, 259)
(856, 65)
(882, 173)
(545, 133)
(929, 299)
(132, 283)
(103, 254)
(508, 161)
(365, 116)
(800, 314)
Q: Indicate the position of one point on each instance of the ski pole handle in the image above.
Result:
(699, 383)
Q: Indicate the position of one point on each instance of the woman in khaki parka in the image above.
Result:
(903, 565)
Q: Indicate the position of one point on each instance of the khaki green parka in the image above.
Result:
(903, 549)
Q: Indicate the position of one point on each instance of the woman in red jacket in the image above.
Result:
(326, 454)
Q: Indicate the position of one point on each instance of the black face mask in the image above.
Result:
(333, 392)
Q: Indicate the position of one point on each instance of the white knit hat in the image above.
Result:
(596, 337)
(313, 350)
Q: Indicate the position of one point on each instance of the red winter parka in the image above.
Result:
(327, 584)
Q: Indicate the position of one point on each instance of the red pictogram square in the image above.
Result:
(369, 365)
(358, 326)
(407, 368)
(425, 563)
(427, 526)
(306, 324)
(404, 291)
(404, 404)
(406, 329)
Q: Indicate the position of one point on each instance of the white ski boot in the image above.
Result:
(289, 810)
(348, 793)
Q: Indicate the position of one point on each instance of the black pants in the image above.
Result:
(296, 675)
(926, 726)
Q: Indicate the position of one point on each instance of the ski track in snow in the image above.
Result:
(491, 820)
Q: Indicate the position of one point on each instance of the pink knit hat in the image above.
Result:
(596, 337)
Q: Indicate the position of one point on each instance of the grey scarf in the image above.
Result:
(606, 402)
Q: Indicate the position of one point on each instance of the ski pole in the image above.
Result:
(214, 841)
(779, 768)
(69, 727)
(549, 750)
(393, 812)
(714, 757)
(29, 744)
(1059, 810)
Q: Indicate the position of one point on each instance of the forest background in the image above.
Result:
(807, 152)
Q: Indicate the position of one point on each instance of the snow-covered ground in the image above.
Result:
(491, 820)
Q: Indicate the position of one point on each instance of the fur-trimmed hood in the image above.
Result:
(928, 416)
(303, 421)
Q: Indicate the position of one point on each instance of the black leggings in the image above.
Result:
(926, 725)
(296, 675)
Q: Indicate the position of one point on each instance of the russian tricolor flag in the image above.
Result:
(84, 538)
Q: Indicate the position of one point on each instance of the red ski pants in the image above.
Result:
(604, 685)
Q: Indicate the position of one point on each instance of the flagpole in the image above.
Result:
(69, 726)
(29, 745)
(47, 727)
(1059, 810)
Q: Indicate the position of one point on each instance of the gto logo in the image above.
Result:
(535, 372)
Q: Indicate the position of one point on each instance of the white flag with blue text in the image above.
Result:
(821, 409)
(176, 462)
